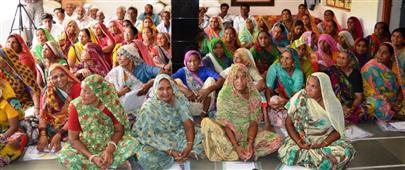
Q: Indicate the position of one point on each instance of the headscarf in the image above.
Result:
(306, 38)
(235, 111)
(131, 53)
(227, 53)
(283, 40)
(55, 49)
(333, 108)
(97, 56)
(247, 56)
(397, 69)
(264, 20)
(153, 27)
(37, 50)
(357, 26)
(107, 94)
(118, 38)
(24, 47)
(49, 100)
(164, 56)
(187, 58)
(19, 70)
(339, 28)
(65, 37)
(245, 35)
(363, 59)
(105, 32)
(348, 39)
(320, 52)
(25, 55)
(169, 118)
(211, 33)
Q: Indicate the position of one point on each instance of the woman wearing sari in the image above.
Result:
(215, 29)
(381, 85)
(163, 50)
(262, 25)
(92, 61)
(331, 28)
(42, 35)
(309, 23)
(354, 27)
(146, 23)
(13, 139)
(234, 133)
(130, 34)
(297, 30)
(279, 34)
(230, 39)
(361, 51)
(398, 41)
(345, 41)
(198, 82)
(328, 15)
(52, 55)
(219, 57)
(381, 34)
(16, 42)
(21, 79)
(316, 128)
(246, 35)
(326, 54)
(86, 35)
(345, 76)
(99, 134)
(69, 37)
(303, 47)
(145, 46)
(116, 30)
(165, 127)
(264, 52)
(105, 40)
(61, 89)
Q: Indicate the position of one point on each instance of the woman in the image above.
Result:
(246, 35)
(116, 30)
(262, 25)
(92, 61)
(328, 15)
(345, 76)
(163, 50)
(327, 52)
(130, 87)
(61, 89)
(215, 28)
(279, 35)
(145, 46)
(21, 79)
(52, 55)
(69, 37)
(297, 30)
(43, 36)
(354, 27)
(231, 39)
(105, 40)
(13, 140)
(219, 57)
(345, 41)
(234, 134)
(16, 42)
(309, 23)
(398, 41)
(381, 34)
(316, 128)
(165, 127)
(361, 51)
(99, 134)
(264, 52)
(331, 28)
(381, 87)
(198, 82)
(130, 34)
(86, 35)
(303, 47)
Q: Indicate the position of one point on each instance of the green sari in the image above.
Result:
(97, 128)
(37, 50)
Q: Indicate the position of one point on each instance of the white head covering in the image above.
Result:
(348, 38)
(332, 104)
(131, 53)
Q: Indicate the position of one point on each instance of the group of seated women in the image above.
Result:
(108, 99)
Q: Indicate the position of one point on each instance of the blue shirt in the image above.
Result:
(145, 72)
(203, 72)
(208, 62)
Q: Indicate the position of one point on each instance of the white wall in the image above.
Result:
(395, 14)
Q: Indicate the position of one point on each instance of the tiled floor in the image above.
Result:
(384, 150)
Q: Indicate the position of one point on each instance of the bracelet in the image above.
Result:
(251, 138)
(113, 143)
(190, 143)
(92, 157)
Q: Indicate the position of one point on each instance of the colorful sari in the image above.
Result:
(305, 63)
(145, 52)
(211, 33)
(97, 128)
(97, 64)
(55, 101)
(104, 41)
(236, 113)
(381, 89)
(215, 63)
(314, 124)
(321, 57)
(118, 38)
(58, 56)
(263, 58)
(20, 77)
(66, 41)
(281, 41)
(159, 128)
(163, 56)
(358, 30)
(25, 55)
(363, 59)
(75, 52)
(37, 49)
(245, 36)
(374, 42)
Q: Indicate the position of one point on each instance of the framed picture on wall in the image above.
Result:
(253, 2)
(342, 4)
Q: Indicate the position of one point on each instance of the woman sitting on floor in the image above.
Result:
(316, 128)
(165, 127)
(234, 133)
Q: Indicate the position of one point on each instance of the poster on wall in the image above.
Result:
(342, 4)
(252, 2)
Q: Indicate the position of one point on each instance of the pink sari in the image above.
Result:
(104, 40)
(25, 55)
(145, 52)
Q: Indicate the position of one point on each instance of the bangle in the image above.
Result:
(92, 157)
(190, 143)
(113, 143)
